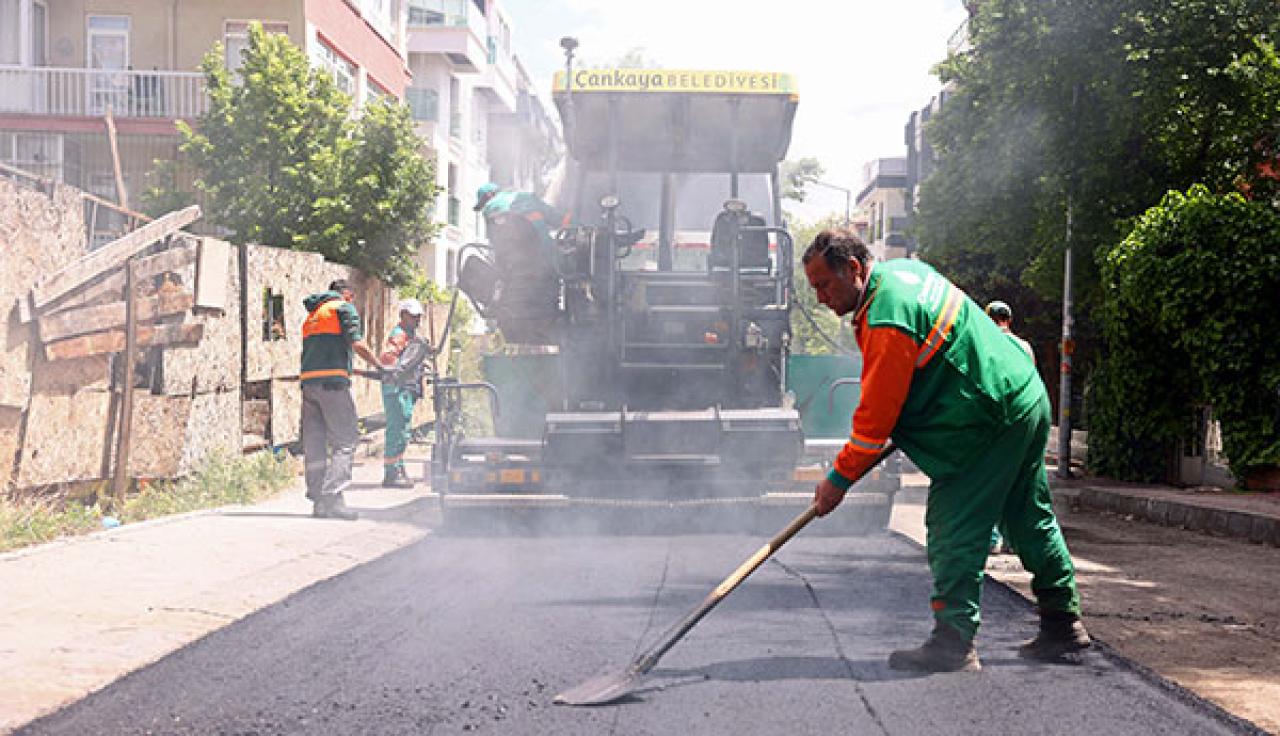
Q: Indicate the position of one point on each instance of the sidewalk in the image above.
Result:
(79, 613)
(1249, 516)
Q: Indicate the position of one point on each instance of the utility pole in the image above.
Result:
(1068, 346)
(569, 44)
(848, 198)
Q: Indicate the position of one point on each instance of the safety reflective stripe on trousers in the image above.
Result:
(941, 327)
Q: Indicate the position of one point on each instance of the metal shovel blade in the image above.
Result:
(601, 689)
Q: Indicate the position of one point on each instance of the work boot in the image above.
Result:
(333, 507)
(1061, 633)
(946, 650)
(397, 478)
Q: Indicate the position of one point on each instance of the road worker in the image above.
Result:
(330, 334)
(960, 399)
(399, 397)
(1002, 315)
(492, 200)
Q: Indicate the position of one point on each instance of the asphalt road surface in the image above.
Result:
(476, 634)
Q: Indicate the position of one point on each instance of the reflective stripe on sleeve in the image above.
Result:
(867, 443)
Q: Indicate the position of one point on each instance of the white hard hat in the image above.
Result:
(412, 306)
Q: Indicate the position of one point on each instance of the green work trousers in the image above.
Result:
(1005, 485)
(397, 404)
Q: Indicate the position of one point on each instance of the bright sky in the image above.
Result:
(862, 66)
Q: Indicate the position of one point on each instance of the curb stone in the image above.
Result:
(1256, 528)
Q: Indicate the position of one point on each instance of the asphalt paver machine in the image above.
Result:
(653, 330)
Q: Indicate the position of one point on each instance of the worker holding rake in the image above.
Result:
(962, 401)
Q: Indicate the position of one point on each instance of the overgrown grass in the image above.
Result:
(222, 480)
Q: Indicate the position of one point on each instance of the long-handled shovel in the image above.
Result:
(607, 688)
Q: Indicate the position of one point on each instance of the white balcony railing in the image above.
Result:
(449, 13)
(88, 92)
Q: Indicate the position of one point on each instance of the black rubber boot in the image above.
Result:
(946, 650)
(333, 507)
(1061, 634)
(398, 478)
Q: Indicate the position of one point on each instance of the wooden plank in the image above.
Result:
(110, 256)
(212, 273)
(113, 341)
(120, 478)
(109, 289)
(173, 259)
(85, 320)
(121, 194)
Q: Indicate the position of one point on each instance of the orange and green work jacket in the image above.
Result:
(332, 325)
(938, 376)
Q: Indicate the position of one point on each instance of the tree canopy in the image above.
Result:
(814, 328)
(798, 175)
(283, 161)
(1103, 105)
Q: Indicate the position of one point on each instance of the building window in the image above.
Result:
(423, 13)
(374, 92)
(37, 153)
(438, 12)
(108, 55)
(273, 327)
(455, 108)
(455, 204)
(108, 41)
(504, 36)
(343, 71)
(381, 14)
(424, 103)
(235, 39)
(39, 34)
(10, 32)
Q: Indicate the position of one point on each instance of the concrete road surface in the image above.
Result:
(476, 634)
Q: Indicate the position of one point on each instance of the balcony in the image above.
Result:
(498, 80)
(73, 92)
(456, 29)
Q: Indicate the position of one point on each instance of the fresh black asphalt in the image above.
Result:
(477, 633)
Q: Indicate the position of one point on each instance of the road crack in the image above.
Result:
(835, 639)
(648, 625)
(653, 604)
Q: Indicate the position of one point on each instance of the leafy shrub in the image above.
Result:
(1192, 302)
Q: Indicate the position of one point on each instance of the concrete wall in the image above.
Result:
(39, 233)
(289, 277)
(57, 417)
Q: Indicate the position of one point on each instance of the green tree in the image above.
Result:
(798, 175)
(1192, 298)
(1103, 104)
(815, 329)
(282, 162)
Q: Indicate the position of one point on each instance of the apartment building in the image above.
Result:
(66, 64)
(883, 198)
(922, 159)
(475, 106)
